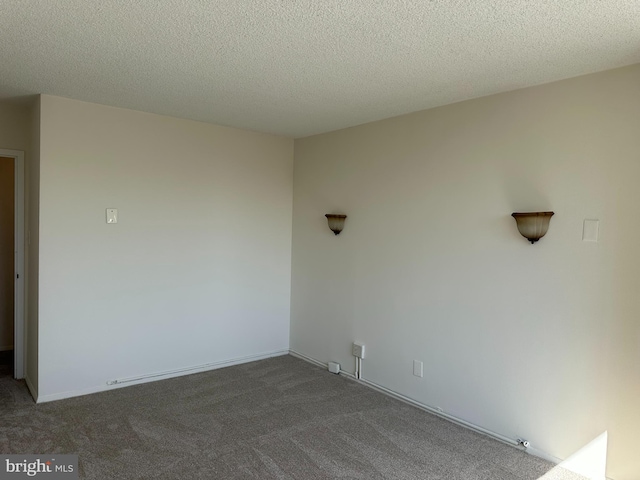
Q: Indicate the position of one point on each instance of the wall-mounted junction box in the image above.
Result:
(357, 350)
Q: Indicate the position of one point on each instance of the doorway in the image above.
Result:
(7, 261)
(12, 322)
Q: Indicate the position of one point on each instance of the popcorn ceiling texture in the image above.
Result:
(302, 67)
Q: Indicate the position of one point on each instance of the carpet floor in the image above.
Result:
(279, 418)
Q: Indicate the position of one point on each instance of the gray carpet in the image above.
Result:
(280, 418)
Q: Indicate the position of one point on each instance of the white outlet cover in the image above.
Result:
(590, 230)
(112, 215)
(418, 368)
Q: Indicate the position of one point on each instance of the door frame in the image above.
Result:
(19, 271)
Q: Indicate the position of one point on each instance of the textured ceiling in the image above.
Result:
(300, 67)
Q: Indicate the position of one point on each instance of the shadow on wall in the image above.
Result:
(590, 461)
(526, 191)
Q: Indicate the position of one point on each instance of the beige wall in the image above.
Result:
(6, 252)
(14, 125)
(538, 341)
(196, 271)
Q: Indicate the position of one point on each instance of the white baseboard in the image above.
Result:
(543, 455)
(293, 353)
(432, 410)
(531, 451)
(32, 389)
(5, 348)
(152, 377)
(309, 359)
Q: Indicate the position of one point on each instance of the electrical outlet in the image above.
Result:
(418, 368)
(357, 350)
(112, 215)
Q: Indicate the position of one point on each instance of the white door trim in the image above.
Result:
(19, 246)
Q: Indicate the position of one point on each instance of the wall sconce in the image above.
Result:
(336, 222)
(533, 225)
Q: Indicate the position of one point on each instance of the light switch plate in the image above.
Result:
(418, 368)
(112, 215)
(590, 230)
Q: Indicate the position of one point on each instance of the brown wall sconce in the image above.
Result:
(533, 225)
(336, 222)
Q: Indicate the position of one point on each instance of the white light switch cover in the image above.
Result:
(590, 230)
(112, 215)
(418, 368)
